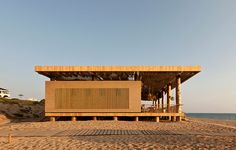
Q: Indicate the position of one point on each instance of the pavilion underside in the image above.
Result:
(156, 82)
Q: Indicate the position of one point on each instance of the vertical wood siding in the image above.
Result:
(92, 98)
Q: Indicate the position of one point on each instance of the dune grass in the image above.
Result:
(18, 101)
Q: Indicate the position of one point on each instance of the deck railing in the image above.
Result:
(154, 109)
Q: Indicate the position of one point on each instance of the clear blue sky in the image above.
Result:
(123, 32)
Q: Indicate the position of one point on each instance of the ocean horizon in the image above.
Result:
(222, 116)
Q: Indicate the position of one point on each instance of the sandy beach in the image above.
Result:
(191, 134)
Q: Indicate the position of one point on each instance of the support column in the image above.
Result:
(157, 119)
(178, 118)
(169, 95)
(178, 95)
(158, 104)
(73, 119)
(115, 118)
(173, 118)
(162, 100)
(94, 118)
(52, 119)
(136, 119)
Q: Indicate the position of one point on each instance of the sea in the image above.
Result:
(222, 116)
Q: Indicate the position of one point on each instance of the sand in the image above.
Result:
(191, 134)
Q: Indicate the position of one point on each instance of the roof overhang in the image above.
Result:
(155, 78)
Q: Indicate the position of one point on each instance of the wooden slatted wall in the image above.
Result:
(92, 98)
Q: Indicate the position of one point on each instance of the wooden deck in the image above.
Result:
(135, 114)
(116, 116)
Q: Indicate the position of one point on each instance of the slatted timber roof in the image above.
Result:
(154, 78)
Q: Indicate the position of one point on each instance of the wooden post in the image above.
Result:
(52, 119)
(173, 118)
(10, 134)
(136, 119)
(178, 95)
(73, 119)
(178, 118)
(94, 118)
(157, 119)
(158, 104)
(162, 100)
(169, 95)
(115, 118)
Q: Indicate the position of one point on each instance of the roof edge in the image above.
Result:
(196, 68)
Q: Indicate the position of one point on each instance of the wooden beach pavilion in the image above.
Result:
(115, 91)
